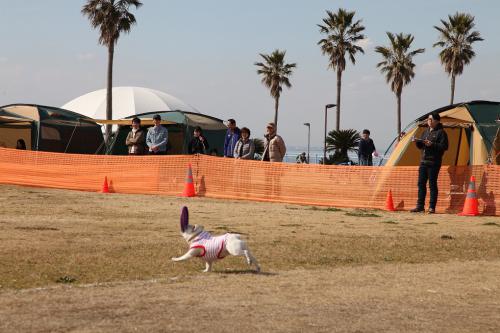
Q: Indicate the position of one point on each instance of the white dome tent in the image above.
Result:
(127, 101)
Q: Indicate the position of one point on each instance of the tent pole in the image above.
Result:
(71, 137)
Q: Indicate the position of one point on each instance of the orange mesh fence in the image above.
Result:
(215, 177)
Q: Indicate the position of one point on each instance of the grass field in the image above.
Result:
(88, 262)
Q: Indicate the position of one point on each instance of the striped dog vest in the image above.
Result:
(212, 246)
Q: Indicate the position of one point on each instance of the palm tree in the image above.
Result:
(398, 65)
(111, 17)
(456, 39)
(342, 142)
(342, 33)
(275, 74)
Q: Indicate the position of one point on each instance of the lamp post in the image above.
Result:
(328, 106)
(308, 140)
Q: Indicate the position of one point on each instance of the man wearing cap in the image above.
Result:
(433, 143)
(157, 137)
(274, 148)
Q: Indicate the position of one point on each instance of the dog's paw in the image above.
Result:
(174, 259)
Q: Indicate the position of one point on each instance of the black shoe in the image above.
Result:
(431, 211)
(417, 210)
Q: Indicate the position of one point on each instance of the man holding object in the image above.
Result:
(433, 143)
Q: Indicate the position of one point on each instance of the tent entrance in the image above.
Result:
(11, 132)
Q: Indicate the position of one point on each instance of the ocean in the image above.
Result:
(315, 154)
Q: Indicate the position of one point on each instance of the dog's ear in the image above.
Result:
(184, 218)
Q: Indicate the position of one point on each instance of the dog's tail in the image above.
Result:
(235, 245)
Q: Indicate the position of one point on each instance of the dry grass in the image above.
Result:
(102, 263)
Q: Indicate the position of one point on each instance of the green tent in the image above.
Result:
(180, 125)
(473, 135)
(47, 128)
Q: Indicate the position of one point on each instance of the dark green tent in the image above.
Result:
(47, 128)
(180, 125)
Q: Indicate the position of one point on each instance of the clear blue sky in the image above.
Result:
(203, 52)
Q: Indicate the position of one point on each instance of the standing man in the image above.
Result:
(232, 137)
(433, 143)
(136, 139)
(274, 147)
(157, 137)
(365, 149)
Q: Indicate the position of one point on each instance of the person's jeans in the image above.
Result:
(428, 173)
(365, 160)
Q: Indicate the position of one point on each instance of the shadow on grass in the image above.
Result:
(361, 213)
(244, 272)
(328, 209)
(226, 229)
(492, 224)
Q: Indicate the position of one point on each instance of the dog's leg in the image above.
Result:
(251, 260)
(208, 267)
(189, 254)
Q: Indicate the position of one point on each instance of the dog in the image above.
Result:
(211, 248)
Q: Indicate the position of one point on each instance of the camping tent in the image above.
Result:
(472, 130)
(48, 128)
(180, 125)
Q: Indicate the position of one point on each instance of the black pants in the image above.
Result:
(428, 173)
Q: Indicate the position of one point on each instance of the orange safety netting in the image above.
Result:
(215, 177)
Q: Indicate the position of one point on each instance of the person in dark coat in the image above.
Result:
(366, 148)
(198, 144)
(433, 143)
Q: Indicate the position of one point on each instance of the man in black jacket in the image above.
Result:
(366, 148)
(433, 143)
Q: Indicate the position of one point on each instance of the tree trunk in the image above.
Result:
(109, 91)
(399, 113)
(452, 88)
(339, 86)
(276, 106)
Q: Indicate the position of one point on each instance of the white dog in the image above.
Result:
(210, 248)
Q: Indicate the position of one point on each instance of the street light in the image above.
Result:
(308, 140)
(328, 106)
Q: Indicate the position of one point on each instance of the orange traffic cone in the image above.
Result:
(389, 204)
(189, 186)
(471, 205)
(105, 188)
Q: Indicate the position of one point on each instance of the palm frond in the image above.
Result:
(456, 38)
(111, 18)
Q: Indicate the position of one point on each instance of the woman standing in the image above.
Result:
(136, 139)
(198, 144)
(245, 147)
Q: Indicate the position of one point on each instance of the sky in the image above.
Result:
(203, 52)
